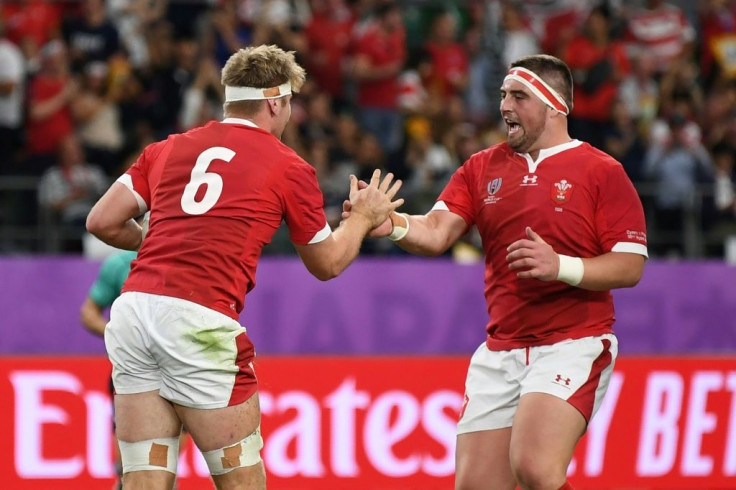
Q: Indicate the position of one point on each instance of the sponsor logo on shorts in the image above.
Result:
(562, 380)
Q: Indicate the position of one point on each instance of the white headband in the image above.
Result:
(539, 87)
(233, 94)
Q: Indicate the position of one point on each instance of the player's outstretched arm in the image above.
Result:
(371, 206)
(430, 234)
(112, 218)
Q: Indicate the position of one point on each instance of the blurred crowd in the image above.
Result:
(407, 86)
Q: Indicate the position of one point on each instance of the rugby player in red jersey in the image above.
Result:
(216, 195)
(561, 225)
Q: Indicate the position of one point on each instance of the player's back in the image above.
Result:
(216, 196)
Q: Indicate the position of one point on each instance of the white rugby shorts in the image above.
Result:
(574, 370)
(195, 356)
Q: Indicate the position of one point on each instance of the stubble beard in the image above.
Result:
(524, 142)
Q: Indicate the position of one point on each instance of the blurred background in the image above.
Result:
(407, 86)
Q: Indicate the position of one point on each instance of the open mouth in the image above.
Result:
(513, 127)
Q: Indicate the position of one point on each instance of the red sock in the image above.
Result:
(566, 486)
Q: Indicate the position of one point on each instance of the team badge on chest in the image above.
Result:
(561, 191)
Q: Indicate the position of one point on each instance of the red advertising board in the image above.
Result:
(378, 423)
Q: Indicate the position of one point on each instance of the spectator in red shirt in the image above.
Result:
(328, 38)
(449, 58)
(31, 24)
(49, 114)
(598, 64)
(380, 57)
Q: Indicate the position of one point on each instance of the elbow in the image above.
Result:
(99, 226)
(633, 279)
(433, 253)
(325, 277)
(434, 250)
(326, 273)
(85, 318)
(321, 270)
(94, 223)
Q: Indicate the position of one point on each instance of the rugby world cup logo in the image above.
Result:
(494, 186)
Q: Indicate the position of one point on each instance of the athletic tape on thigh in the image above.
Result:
(153, 454)
(244, 453)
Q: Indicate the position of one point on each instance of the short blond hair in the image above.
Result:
(263, 66)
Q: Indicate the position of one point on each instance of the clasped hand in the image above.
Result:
(374, 200)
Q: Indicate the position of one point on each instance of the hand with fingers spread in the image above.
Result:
(532, 257)
(382, 230)
(374, 200)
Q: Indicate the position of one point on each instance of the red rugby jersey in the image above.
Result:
(579, 200)
(217, 194)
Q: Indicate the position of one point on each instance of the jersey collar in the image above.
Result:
(237, 120)
(548, 152)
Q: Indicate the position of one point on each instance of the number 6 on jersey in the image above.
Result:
(200, 177)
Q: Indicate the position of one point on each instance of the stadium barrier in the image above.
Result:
(381, 306)
(47, 235)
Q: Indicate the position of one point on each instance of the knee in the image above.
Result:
(483, 477)
(242, 454)
(536, 474)
(150, 455)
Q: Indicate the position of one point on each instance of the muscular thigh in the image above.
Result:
(545, 433)
(221, 427)
(144, 416)
(482, 461)
(561, 391)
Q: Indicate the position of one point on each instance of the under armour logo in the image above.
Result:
(560, 379)
(529, 180)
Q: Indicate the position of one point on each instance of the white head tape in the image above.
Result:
(233, 94)
(539, 87)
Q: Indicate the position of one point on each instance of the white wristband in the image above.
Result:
(571, 270)
(399, 232)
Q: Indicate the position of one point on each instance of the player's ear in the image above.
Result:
(273, 106)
